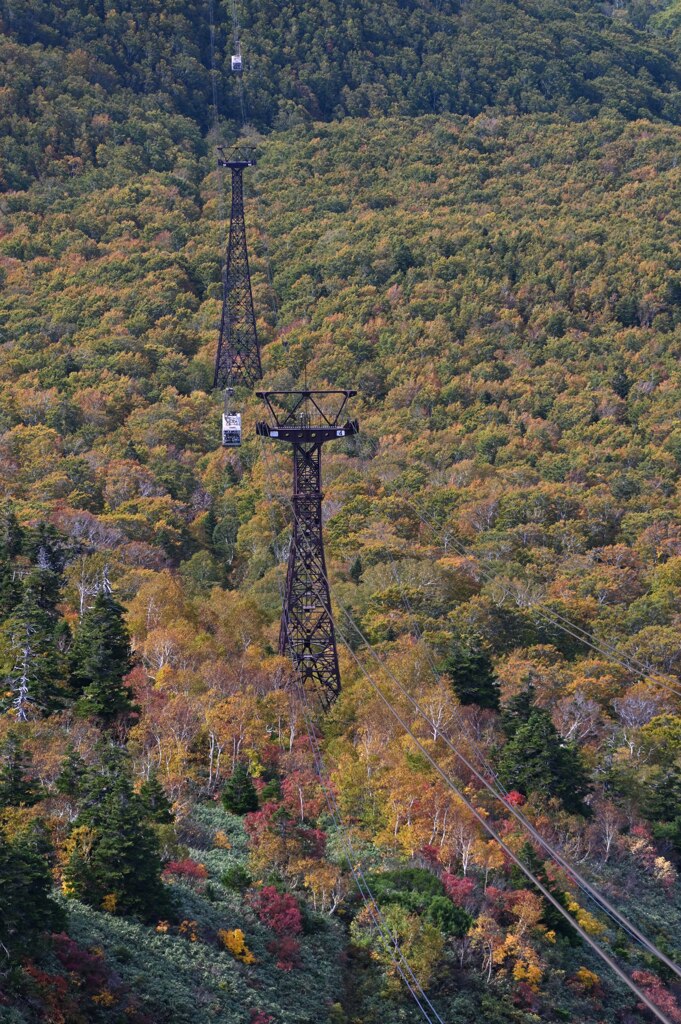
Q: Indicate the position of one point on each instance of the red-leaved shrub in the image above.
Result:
(278, 910)
(187, 868)
(260, 1017)
(460, 890)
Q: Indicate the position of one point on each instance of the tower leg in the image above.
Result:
(307, 633)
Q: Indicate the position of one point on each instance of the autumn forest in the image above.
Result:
(469, 212)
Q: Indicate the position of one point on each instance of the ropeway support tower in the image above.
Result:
(306, 420)
(238, 355)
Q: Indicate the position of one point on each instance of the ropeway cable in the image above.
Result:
(630, 664)
(612, 964)
(605, 956)
(601, 901)
(586, 887)
(401, 964)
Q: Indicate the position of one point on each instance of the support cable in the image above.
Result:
(519, 816)
(222, 214)
(605, 956)
(399, 960)
(236, 28)
(630, 664)
(497, 789)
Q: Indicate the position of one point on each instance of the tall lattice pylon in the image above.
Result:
(238, 355)
(306, 419)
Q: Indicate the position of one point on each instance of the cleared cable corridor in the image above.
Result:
(400, 962)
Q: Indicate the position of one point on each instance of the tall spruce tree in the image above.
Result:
(36, 637)
(239, 795)
(518, 710)
(10, 587)
(27, 911)
(156, 803)
(73, 771)
(99, 660)
(11, 533)
(536, 760)
(17, 788)
(114, 858)
(470, 668)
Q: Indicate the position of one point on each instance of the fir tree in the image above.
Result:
(10, 587)
(470, 668)
(11, 534)
(518, 710)
(73, 771)
(535, 760)
(27, 911)
(17, 789)
(114, 858)
(100, 659)
(45, 548)
(157, 805)
(239, 795)
(38, 638)
(41, 590)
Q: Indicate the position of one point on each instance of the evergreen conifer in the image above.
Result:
(17, 789)
(518, 710)
(38, 637)
(158, 807)
(11, 534)
(100, 659)
(26, 908)
(10, 588)
(536, 760)
(470, 668)
(73, 771)
(239, 795)
(114, 858)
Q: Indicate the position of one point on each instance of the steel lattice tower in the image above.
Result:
(238, 355)
(307, 632)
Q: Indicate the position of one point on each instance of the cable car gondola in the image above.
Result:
(237, 61)
(231, 423)
(231, 430)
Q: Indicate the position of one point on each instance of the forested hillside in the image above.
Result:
(471, 214)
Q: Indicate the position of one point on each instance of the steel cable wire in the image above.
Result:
(584, 885)
(607, 959)
(521, 818)
(632, 665)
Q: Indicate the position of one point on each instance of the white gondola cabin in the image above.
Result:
(237, 62)
(231, 429)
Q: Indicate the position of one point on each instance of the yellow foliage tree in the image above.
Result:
(234, 942)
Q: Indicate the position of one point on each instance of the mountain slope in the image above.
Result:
(504, 290)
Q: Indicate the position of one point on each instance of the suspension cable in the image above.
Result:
(502, 793)
(601, 900)
(630, 664)
(604, 955)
